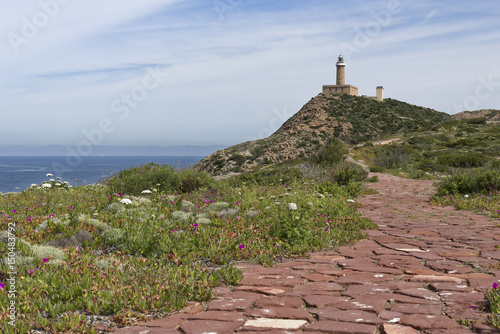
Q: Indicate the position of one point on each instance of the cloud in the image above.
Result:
(230, 68)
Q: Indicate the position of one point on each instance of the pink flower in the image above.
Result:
(326, 229)
(195, 225)
(472, 306)
(2, 286)
(495, 285)
(31, 271)
(242, 246)
(44, 260)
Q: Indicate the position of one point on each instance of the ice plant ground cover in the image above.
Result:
(154, 254)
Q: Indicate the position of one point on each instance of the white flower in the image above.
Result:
(58, 184)
(466, 196)
(49, 175)
(146, 192)
(292, 206)
(34, 185)
(126, 201)
(52, 180)
(46, 185)
(351, 201)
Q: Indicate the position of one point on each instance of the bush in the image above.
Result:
(478, 181)
(238, 158)
(192, 180)
(392, 158)
(463, 161)
(347, 172)
(333, 153)
(429, 166)
(164, 178)
(268, 176)
(377, 169)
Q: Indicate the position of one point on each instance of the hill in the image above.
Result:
(352, 119)
(491, 115)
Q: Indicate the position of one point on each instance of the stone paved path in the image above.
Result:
(418, 273)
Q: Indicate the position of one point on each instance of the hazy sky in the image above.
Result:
(203, 72)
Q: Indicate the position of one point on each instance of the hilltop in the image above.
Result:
(352, 119)
(491, 115)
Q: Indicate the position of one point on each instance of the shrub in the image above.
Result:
(192, 180)
(373, 179)
(152, 176)
(333, 152)
(238, 158)
(463, 161)
(470, 182)
(429, 166)
(421, 141)
(392, 158)
(377, 169)
(268, 176)
(347, 172)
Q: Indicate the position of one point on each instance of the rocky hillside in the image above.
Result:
(350, 118)
(491, 115)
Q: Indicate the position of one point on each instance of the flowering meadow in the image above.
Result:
(73, 256)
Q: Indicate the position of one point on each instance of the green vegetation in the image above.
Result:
(334, 152)
(159, 178)
(153, 238)
(372, 119)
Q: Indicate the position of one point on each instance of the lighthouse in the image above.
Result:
(340, 87)
(340, 71)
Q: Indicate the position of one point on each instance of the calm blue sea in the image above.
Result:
(17, 173)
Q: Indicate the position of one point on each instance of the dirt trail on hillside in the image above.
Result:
(423, 269)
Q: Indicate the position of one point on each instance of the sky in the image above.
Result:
(203, 72)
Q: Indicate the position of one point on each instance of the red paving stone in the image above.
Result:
(419, 272)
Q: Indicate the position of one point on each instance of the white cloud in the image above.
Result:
(227, 76)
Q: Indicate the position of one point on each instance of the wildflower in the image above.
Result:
(49, 175)
(466, 196)
(2, 286)
(14, 211)
(495, 285)
(126, 201)
(31, 271)
(242, 246)
(350, 200)
(44, 260)
(326, 229)
(50, 216)
(292, 206)
(146, 192)
(472, 306)
(46, 185)
(28, 220)
(195, 225)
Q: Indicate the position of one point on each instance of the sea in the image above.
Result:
(18, 173)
